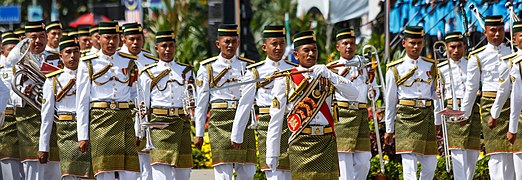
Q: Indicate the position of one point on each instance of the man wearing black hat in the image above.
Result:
(274, 45)
(104, 84)
(160, 87)
(463, 136)
(84, 40)
(54, 33)
(59, 93)
(9, 146)
(410, 100)
(306, 94)
(485, 68)
(28, 117)
(93, 31)
(224, 69)
(515, 76)
(20, 32)
(351, 115)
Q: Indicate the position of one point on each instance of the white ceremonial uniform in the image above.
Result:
(273, 137)
(52, 50)
(516, 109)
(418, 90)
(66, 105)
(93, 50)
(170, 96)
(10, 166)
(88, 92)
(463, 160)
(144, 157)
(355, 165)
(488, 74)
(263, 98)
(237, 70)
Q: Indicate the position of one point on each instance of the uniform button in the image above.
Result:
(115, 89)
(171, 97)
(112, 70)
(114, 95)
(230, 73)
(419, 90)
(172, 91)
(113, 84)
(172, 103)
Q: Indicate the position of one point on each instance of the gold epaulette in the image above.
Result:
(476, 51)
(517, 59)
(291, 63)
(206, 61)
(394, 63)
(440, 64)
(332, 63)
(151, 57)
(246, 60)
(184, 64)
(148, 67)
(255, 64)
(145, 51)
(89, 57)
(506, 57)
(52, 57)
(54, 73)
(130, 56)
(428, 59)
(1, 66)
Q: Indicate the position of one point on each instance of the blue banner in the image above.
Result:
(10, 14)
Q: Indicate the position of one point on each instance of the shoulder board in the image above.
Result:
(184, 64)
(506, 57)
(394, 63)
(428, 59)
(130, 56)
(148, 67)
(89, 57)
(246, 59)
(291, 63)
(54, 73)
(517, 59)
(440, 64)
(151, 57)
(255, 64)
(1, 66)
(206, 61)
(477, 50)
(52, 57)
(145, 51)
(332, 63)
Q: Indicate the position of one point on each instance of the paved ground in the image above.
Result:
(202, 174)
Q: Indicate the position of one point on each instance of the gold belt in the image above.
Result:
(264, 110)
(65, 117)
(489, 94)
(450, 101)
(169, 112)
(9, 111)
(350, 104)
(110, 105)
(224, 105)
(422, 103)
(317, 130)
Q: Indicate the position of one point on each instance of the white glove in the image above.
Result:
(272, 163)
(321, 69)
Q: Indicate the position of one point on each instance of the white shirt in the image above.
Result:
(418, 90)
(359, 81)
(273, 138)
(53, 50)
(7, 77)
(490, 64)
(262, 96)
(237, 70)
(113, 90)
(66, 104)
(142, 59)
(167, 93)
(516, 97)
(93, 50)
(458, 70)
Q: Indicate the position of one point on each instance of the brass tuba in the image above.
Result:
(27, 70)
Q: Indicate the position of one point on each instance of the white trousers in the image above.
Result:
(463, 162)
(224, 171)
(354, 165)
(145, 168)
(33, 170)
(278, 175)
(409, 166)
(517, 161)
(111, 175)
(10, 169)
(501, 166)
(70, 177)
(163, 171)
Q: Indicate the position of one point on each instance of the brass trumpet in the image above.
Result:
(189, 100)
